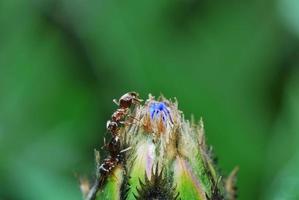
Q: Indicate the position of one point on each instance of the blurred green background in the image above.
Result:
(235, 63)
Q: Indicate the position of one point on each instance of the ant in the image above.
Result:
(124, 103)
(115, 154)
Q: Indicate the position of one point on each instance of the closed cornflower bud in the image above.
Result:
(160, 155)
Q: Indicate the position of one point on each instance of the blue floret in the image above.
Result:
(159, 109)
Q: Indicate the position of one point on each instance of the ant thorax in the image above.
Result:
(119, 114)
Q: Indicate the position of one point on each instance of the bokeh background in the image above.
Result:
(235, 63)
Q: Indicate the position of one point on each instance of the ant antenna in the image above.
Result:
(138, 100)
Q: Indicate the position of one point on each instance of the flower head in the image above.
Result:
(160, 138)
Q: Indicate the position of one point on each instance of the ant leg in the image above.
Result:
(116, 102)
(105, 144)
(126, 149)
(101, 181)
(126, 123)
(136, 119)
(130, 123)
(131, 116)
(137, 101)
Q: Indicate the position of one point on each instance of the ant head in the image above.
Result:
(128, 99)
